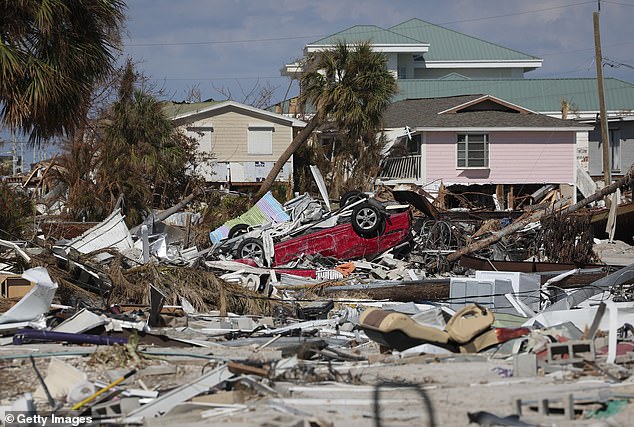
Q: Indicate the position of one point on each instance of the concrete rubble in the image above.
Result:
(306, 313)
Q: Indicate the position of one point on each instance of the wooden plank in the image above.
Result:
(603, 214)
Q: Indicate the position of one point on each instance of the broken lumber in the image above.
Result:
(522, 222)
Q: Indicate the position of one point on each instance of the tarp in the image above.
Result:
(266, 210)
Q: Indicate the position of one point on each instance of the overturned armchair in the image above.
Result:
(469, 330)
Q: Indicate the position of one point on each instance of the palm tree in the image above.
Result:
(349, 85)
(142, 156)
(131, 153)
(52, 53)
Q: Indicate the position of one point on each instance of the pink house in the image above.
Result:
(478, 139)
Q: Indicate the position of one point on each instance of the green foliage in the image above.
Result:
(349, 85)
(136, 154)
(16, 210)
(52, 53)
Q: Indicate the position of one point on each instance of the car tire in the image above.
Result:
(237, 230)
(350, 197)
(251, 248)
(367, 220)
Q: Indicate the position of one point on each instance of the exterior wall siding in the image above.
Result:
(229, 146)
(417, 70)
(595, 156)
(230, 132)
(472, 73)
(582, 150)
(514, 158)
(595, 150)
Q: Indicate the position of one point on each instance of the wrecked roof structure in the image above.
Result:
(382, 308)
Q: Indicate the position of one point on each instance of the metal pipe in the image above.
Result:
(25, 336)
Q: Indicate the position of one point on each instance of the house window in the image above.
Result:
(473, 150)
(406, 146)
(260, 140)
(615, 150)
(204, 137)
(414, 143)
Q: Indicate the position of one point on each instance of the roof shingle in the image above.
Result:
(425, 113)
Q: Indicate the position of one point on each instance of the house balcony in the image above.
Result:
(405, 168)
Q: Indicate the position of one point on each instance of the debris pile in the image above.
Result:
(383, 310)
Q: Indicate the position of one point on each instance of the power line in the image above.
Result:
(316, 36)
(615, 64)
(283, 77)
(323, 35)
(619, 3)
(220, 78)
(518, 13)
(277, 39)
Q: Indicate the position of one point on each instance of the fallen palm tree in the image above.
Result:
(130, 285)
(201, 288)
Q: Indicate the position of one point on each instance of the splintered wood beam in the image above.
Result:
(523, 221)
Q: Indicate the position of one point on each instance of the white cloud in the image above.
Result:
(278, 30)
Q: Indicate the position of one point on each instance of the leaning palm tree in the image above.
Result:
(349, 85)
(51, 55)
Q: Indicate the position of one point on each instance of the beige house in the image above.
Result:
(245, 141)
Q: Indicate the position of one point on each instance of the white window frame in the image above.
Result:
(466, 164)
(614, 136)
(260, 139)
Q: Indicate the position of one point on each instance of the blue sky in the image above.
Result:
(234, 45)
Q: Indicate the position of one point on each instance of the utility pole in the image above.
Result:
(607, 167)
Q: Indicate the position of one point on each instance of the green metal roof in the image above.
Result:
(449, 45)
(173, 109)
(361, 33)
(542, 95)
(444, 44)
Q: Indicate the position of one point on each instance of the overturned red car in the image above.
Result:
(363, 229)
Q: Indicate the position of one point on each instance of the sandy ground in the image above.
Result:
(614, 253)
(422, 390)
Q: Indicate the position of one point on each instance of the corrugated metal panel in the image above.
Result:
(541, 95)
(111, 232)
(172, 109)
(446, 44)
(360, 33)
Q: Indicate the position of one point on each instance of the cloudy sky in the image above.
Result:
(235, 45)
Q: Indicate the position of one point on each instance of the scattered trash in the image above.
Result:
(312, 313)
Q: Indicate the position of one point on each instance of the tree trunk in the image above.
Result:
(167, 212)
(480, 244)
(297, 142)
(177, 207)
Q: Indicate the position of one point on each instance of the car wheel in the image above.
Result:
(237, 230)
(350, 197)
(367, 220)
(251, 248)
